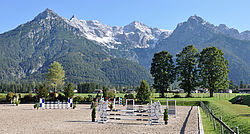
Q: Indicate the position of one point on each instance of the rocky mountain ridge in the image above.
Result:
(136, 33)
(221, 29)
(93, 47)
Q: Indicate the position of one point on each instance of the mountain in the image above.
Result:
(138, 42)
(133, 35)
(202, 34)
(27, 51)
(94, 52)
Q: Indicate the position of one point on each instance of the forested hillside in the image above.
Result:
(27, 51)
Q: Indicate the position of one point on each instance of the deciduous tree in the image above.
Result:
(213, 69)
(163, 71)
(55, 76)
(186, 68)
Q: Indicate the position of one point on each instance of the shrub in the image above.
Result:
(74, 105)
(110, 94)
(165, 116)
(61, 97)
(37, 105)
(28, 98)
(88, 99)
(17, 102)
(93, 114)
(177, 96)
(53, 96)
(111, 106)
(10, 96)
(129, 96)
(2, 98)
(78, 99)
(19, 96)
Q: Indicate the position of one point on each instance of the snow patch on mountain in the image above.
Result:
(137, 34)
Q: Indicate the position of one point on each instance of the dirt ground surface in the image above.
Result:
(26, 120)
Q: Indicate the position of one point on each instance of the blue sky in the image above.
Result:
(164, 14)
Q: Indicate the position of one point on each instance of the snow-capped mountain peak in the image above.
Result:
(46, 14)
(136, 25)
(73, 18)
(136, 34)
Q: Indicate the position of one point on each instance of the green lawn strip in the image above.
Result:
(232, 114)
(207, 124)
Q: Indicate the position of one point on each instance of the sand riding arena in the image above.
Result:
(25, 119)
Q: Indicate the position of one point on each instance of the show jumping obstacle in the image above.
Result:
(171, 105)
(120, 101)
(13, 101)
(55, 104)
(152, 113)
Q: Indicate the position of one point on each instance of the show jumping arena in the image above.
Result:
(27, 120)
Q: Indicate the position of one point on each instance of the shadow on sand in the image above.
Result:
(185, 122)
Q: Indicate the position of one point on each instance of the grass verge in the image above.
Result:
(232, 114)
(207, 124)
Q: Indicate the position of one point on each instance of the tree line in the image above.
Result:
(22, 87)
(207, 69)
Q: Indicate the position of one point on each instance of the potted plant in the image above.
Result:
(111, 106)
(74, 105)
(166, 116)
(37, 105)
(17, 102)
(93, 114)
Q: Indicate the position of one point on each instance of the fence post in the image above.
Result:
(237, 130)
(213, 120)
(221, 127)
(209, 109)
(207, 112)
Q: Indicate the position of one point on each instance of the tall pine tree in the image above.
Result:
(68, 91)
(42, 92)
(143, 93)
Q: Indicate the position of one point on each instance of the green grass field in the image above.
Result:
(232, 114)
(207, 124)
